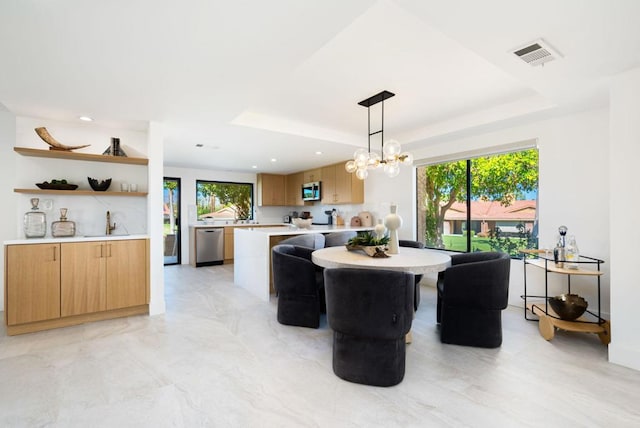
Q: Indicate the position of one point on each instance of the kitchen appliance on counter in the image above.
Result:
(209, 246)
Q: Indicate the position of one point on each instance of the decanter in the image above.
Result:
(572, 254)
(64, 227)
(35, 221)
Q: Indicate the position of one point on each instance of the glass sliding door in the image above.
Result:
(171, 215)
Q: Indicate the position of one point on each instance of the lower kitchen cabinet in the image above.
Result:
(32, 283)
(60, 284)
(126, 275)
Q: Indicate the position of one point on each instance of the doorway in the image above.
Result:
(171, 216)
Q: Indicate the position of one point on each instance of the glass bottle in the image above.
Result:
(64, 227)
(572, 254)
(35, 221)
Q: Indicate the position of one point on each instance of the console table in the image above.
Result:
(548, 320)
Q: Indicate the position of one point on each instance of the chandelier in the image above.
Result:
(391, 155)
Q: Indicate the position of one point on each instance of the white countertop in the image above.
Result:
(74, 239)
(293, 230)
(210, 225)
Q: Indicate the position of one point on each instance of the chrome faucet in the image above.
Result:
(109, 227)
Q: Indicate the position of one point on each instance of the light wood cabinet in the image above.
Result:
(312, 175)
(61, 284)
(32, 283)
(126, 273)
(83, 278)
(228, 243)
(271, 190)
(341, 187)
(294, 189)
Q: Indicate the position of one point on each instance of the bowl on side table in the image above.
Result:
(99, 185)
(569, 307)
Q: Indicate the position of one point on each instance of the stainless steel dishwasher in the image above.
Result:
(209, 247)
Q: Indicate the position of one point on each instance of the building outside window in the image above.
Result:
(486, 203)
(219, 200)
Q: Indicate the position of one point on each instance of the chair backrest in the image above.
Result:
(293, 270)
(369, 302)
(412, 244)
(335, 239)
(309, 240)
(480, 278)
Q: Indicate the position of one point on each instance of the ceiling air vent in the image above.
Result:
(537, 53)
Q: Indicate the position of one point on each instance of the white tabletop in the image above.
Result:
(418, 261)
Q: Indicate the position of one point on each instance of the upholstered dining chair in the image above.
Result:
(335, 239)
(370, 312)
(298, 284)
(414, 244)
(310, 240)
(472, 293)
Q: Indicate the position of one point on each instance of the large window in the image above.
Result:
(481, 204)
(219, 200)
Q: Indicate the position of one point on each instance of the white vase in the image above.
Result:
(379, 229)
(393, 222)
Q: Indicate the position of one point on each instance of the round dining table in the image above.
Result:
(408, 259)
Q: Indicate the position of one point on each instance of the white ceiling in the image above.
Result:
(255, 80)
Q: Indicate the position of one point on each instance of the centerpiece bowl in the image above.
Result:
(303, 223)
(569, 307)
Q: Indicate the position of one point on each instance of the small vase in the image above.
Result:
(393, 222)
(379, 229)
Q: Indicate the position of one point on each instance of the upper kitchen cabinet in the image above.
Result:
(341, 187)
(294, 184)
(271, 190)
(312, 175)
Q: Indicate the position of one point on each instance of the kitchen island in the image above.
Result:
(252, 253)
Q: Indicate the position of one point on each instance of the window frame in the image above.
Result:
(251, 191)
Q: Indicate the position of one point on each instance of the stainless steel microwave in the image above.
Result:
(311, 191)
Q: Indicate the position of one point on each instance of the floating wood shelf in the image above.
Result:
(77, 192)
(59, 154)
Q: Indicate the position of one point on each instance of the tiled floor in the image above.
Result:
(219, 358)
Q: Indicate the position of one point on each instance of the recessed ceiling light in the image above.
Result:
(85, 118)
(274, 160)
(318, 153)
(254, 166)
(199, 145)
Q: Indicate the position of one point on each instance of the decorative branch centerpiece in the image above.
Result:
(369, 243)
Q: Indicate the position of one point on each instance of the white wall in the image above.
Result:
(573, 190)
(89, 212)
(155, 145)
(623, 230)
(8, 220)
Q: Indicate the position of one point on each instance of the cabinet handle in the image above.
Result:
(55, 253)
(101, 250)
(109, 246)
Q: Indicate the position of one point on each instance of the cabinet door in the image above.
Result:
(312, 175)
(228, 242)
(270, 190)
(343, 185)
(328, 189)
(32, 283)
(126, 273)
(84, 278)
(294, 189)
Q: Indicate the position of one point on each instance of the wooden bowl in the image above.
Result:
(569, 307)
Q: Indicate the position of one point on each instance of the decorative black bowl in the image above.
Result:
(568, 306)
(99, 185)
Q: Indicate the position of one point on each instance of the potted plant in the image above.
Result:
(369, 243)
